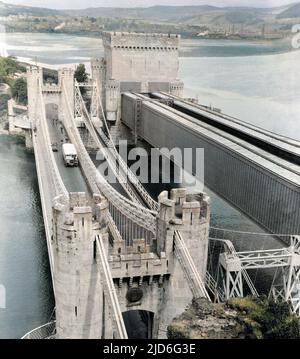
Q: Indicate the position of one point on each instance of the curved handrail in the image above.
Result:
(38, 333)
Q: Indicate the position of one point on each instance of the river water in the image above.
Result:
(254, 81)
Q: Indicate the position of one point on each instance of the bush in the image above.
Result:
(8, 67)
(274, 319)
(278, 322)
(3, 101)
(19, 90)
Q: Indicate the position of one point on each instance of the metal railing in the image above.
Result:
(46, 331)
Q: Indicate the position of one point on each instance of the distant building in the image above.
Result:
(203, 34)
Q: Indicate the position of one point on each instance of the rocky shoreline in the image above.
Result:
(239, 318)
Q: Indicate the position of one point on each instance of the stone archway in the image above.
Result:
(139, 324)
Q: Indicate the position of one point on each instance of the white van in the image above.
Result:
(70, 155)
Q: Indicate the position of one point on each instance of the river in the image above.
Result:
(257, 82)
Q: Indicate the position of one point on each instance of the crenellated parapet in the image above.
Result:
(176, 88)
(98, 66)
(141, 41)
(36, 71)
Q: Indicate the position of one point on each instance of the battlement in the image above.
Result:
(141, 41)
(138, 265)
(113, 85)
(32, 69)
(183, 208)
(98, 63)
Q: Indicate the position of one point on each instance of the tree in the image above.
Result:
(81, 74)
(19, 90)
(8, 67)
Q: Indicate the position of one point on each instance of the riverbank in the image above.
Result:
(98, 34)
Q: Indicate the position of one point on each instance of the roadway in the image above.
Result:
(72, 176)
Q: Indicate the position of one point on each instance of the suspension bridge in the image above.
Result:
(115, 249)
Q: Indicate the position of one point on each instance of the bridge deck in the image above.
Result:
(224, 122)
(72, 176)
(283, 168)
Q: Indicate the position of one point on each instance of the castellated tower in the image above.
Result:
(66, 79)
(34, 80)
(141, 57)
(98, 74)
(136, 62)
(190, 215)
(77, 284)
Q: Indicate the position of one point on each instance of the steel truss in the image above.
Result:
(233, 266)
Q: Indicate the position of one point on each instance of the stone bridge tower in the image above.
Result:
(34, 80)
(77, 281)
(148, 276)
(51, 92)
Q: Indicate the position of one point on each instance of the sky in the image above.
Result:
(78, 4)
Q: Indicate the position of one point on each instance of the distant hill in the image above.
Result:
(189, 15)
(204, 14)
(8, 9)
(292, 12)
(212, 21)
(160, 13)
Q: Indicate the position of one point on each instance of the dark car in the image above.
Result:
(54, 147)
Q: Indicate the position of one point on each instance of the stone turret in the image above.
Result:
(189, 214)
(112, 96)
(66, 79)
(34, 80)
(77, 282)
(98, 74)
